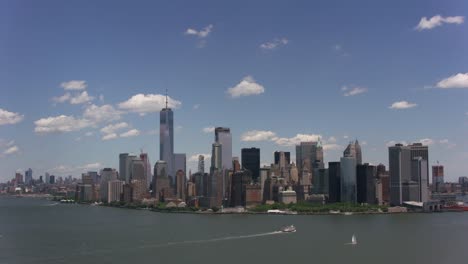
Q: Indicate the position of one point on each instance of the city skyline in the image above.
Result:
(76, 107)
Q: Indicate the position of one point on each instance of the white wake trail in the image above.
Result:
(212, 240)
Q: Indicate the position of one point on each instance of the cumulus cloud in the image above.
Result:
(9, 118)
(62, 99)
(210, 129)
(109, 136)
(60, 124)
(348, 91)
(99, 114)
(246, 87)
(258, 135)
(202, 33)
(459, 80)
(11, 150)
(112, 128)
(81, 98)
(402, 105)
(90, 166)
(74, 85)
(194, 157)
(147, 103)
(130, 133)
(275, 43)
(296, 140)
(438, 20)
(426, 141)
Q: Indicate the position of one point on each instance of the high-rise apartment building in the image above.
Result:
(251, 161)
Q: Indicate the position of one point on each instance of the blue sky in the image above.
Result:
(82, 81)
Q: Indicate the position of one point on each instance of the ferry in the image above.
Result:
(288, 229)
(459, 206)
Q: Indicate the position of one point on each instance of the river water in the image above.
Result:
(41, 231)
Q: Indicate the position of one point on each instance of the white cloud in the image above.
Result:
(59, 124)
(81, 98)
(112, 128)
(210, 129)
(296, 139)
(9, 118)
(11, 150)
(275, 43)
(332, 147)
(258, 135)
(353, 91)
(447, 143)
(459, 80)
(438, 20)
(62, 99)
(109, 136)
(426, 141)
(194, 157)
(402, 105)
(246, 87)
(332, 139)
(147, 103)
(74, 85)
(104, 113)
(130, 133)
(202, 33)
(90, 166)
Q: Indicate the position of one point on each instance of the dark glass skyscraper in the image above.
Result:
(365, 184)
(251, 161)
(287, 157)
(334, 182)
(166, 139)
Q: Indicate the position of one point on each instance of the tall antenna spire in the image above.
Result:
(166, 98)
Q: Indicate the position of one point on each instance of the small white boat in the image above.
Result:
(353, 240)
(288, 229)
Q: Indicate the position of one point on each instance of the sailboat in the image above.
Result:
(353, 240)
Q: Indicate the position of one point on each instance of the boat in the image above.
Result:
(459, 206)
(353, 240)
(288, 229)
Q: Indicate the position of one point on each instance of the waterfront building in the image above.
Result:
(253, 195)
(180, 185)
(51, 179)
(348, 179)
(166, 139)
(107, 175)
(408, 180)
(287, 196)
(115, 190)
(86, 179)
(161, 188)
(224, 138)
(320, 181)
(334, 182)
(18, 178)
(251, 162)
(240, 180)
(366, 183)
(437, 178)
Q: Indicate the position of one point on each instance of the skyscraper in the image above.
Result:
(282, 158)
(354, 150)
(365, 183)
(161, 188)
(149, 176)
(437, 178)
(28, 176)
(409, 175)
(348, 179)
(216, 156)
(201, 164)
(166, 138)
(123, 166)
(107, 175)
(334, 182)
(251, 161)
(310, 155)
(223, 137)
